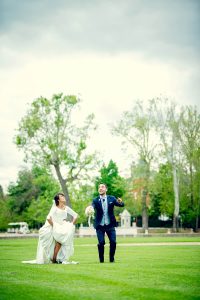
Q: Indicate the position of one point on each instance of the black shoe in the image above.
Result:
(112, 252)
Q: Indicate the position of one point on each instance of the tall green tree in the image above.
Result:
(49, 137)
(36, 213)
(1, 192)
(81, 196)
(189, 136)
(5, 214)
(137, 129)
(21, 193)
(168, 117)
(110, 176)
(25, 195)
(162, 195)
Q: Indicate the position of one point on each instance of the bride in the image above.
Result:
(56, 235)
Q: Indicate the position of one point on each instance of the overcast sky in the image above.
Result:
(111, 53)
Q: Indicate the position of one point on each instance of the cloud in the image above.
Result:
(159, 29)
(110, 52)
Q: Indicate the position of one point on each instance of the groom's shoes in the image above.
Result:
(112, 252)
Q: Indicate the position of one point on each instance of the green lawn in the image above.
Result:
(140, 272)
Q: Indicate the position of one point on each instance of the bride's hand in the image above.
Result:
(74, 221)
(50, 221)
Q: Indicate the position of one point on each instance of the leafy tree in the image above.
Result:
(110, 176)
(162, 196)
(26, 197)
(189, 136)
(49, 137)
(136, 186)
(168, 117)
(5, 214)
(81, 196)
(44, 181)
(1, 193)
(36, 213)
(137, 128)
(116, 185)
(180, 135)
(22, 192)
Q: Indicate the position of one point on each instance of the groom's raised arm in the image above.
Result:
(119, 202)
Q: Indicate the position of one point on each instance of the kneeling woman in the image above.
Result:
(56, 235)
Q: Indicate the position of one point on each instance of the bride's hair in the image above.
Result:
(56, 198)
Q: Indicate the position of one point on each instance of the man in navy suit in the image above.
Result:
(105, 221)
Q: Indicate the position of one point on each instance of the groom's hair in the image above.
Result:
(102, 183)
(56, 198)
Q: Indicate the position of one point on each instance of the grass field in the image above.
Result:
(140, 272)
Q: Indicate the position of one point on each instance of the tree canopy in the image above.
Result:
(49, 137)
(110, 176)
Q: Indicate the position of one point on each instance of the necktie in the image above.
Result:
(103, 205)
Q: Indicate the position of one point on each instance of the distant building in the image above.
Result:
(125, 219)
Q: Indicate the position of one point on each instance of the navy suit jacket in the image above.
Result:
(112, 201)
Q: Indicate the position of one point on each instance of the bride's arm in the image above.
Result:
(50, 221)
(49, 217)
(73, 214)
(74, 220)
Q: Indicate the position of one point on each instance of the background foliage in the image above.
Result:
(164, 176)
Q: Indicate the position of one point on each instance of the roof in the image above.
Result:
(125, 213)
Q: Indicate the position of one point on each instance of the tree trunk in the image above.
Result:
(63, 185)
(176, 199)
(197, 216)
(191, 187)
(144, 209)
(175, 223)
(197, 223)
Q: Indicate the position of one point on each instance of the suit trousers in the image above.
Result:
(111, 233)
(109, 230)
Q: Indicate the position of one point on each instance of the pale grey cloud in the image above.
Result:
(159, 29)
(112, 52)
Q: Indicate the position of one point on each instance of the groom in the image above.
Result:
(105, 221)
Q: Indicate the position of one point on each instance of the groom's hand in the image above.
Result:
(119, 200)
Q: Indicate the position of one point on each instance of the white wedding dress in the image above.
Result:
(62, 232)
